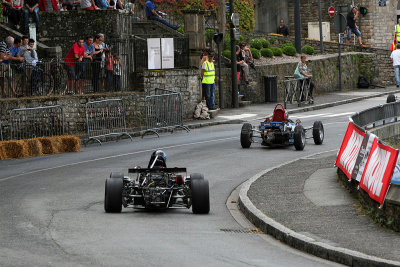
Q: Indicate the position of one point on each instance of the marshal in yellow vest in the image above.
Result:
(209, 73)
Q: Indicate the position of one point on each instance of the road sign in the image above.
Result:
(341, 38)
(236, 33)
(227, 7)
(340, 23)
(331, 11)
(235, 19)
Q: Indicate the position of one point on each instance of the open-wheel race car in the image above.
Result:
(157, 187)
(279, 130)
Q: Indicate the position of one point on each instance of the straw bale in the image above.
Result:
(2, 151)
(15, 149)
(49, 145)
(34, 147)
(70, 143)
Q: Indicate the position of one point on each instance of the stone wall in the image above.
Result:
(269, 13)
(377, 26)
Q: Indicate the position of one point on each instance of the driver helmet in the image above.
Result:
(286, 114)
(160, 153)
(160, 158)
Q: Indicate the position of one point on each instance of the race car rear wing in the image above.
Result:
(157, 170)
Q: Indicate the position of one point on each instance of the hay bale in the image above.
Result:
(2, 151)
(70, 143)
(34, 147)
(49, 145)
(15, 149)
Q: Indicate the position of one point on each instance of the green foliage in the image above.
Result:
(287, 44)
(307, 50)
(277, 51)
(256, 43)
(266, 52)
(272, 41)
(181, 29)
(227, 53)
(256, 53)
(227, 41)
(289, 50)
(245, 8)
(265, 43)
(209, 35)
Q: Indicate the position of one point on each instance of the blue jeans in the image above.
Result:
(356, 32)
(164, 21)
(397, 74)
(36, 14)
(210, 96)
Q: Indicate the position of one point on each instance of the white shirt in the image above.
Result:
(396, 57)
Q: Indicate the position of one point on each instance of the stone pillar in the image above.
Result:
(194, 28)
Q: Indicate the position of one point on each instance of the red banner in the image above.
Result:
(349, 150)
(378, 171)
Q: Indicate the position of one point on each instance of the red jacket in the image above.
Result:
(42, 5)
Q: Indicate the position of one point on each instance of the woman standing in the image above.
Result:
(302, 66)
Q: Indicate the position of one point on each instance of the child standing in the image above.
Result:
(117, 73)
(109, 70)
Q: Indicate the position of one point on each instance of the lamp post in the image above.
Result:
(235, 99)
(297, 28)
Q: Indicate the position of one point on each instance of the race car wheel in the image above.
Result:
(200, 196)
(113, 195)
(299, 137)
(117, 175)
(318, 132)
(246, 135)
(196, 176)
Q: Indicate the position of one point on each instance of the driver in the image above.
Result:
(158, 159)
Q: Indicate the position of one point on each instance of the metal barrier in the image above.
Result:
(36, 122)
(1, 132)
(164, 111)
(379, 115)
(105, 118)
(296, 90)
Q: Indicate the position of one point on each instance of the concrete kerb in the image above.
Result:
(299, 241)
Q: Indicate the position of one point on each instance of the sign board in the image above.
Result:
(154, 53)
(227, 7)
(382, 2)
(340, 23)
(236, 33)
(341, 38)
(167, 53)
(331, 11)
(235, 19)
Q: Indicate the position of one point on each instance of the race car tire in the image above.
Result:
(117, 175)
(299, 137)
(196, 176)
(318, 132)
(113, 195)
(200, 196)
(246, 135)
(391, 98)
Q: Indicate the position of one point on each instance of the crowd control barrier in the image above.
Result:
(28, 123)
(163, 111)
(104, 119)
(296, 89)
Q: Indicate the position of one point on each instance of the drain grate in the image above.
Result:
(243, 231)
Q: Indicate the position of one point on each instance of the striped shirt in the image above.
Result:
(4, 49)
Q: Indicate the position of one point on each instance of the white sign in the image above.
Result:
(235, 19)
(167, 53)
(153, 53)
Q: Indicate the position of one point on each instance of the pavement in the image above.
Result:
(303, 205)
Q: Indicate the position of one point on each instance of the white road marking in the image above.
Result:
(322, 115)
(340, 114)
(239, 116)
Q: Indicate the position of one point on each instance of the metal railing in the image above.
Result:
(296, 90)
(163, 111)
(36, 122)
(104, 119)
(379, 115)
(1, 132)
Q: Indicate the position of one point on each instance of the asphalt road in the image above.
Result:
(52, 207)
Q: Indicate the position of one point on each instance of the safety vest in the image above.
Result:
(209, 73)
(397, 32)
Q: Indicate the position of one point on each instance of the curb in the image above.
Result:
(299, 241)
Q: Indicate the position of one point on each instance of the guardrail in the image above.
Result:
(376, 116)
(163, 111)
(105, 118)
(36, 122)
(296, 89)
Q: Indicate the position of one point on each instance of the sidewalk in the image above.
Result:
(304, 206)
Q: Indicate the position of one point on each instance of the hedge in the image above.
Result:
(289, 50)
(277, 51)
(307, 50)
(266, 52)
(256, 53)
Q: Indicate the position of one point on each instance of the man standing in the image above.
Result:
(153, 14)
(32, 7)
(282, 29)
(397, 32)
(208, 80)
(75, 55)
(395, 56)
(352, 27)
(88, 56)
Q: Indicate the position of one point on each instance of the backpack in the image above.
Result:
(362, 82)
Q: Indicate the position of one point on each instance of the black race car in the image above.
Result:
(157, 187)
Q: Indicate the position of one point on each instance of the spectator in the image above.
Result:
(88, 5)
(282, 29)
(97, 58)
(204, 58)
(395, 56)
(88, 56)
(153, 14)
(117, 73)
(208, 79)
(5, 8)
(304, 71)
(44, 5)
(32, 7)
(75, 55)
(5, 56)
(70, 4)
(352, 27)
(103, 4)
(109, 71)
(130, 7)
(241, 64)
(246, 53)
(15, 52)
(14, 11)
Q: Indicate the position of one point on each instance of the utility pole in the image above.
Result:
(297, 26)
(321, 37)
(235, 99)
(221, 21)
